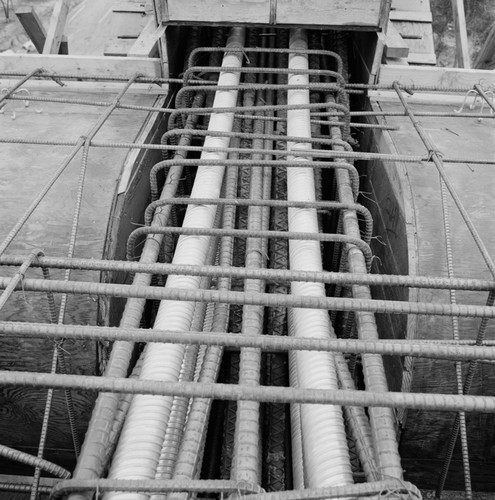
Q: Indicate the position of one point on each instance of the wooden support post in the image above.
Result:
(461, 41)
(32, 26)
(486, 56)
(56, 29)
(35, 30)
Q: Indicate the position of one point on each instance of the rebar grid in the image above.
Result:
(144, 291)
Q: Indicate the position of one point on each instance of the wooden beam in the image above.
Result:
(106, 67)
(434, 76)
(56, 29)
(461, 41)
(385, 6)
(146, 44)
(394, 44)
(35, 30)
(486, 56)
(415, 16)
(32, 26)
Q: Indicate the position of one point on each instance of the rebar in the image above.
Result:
(276, 275)
(437, 349)
(117, 385)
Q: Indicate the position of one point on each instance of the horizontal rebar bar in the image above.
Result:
(437, 349)
(261, 299)
(380, 489)
(152, 486)
(268, 275)
(158, 80)
(264, 394)
(350, 155)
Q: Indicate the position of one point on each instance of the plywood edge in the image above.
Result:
(411, 16)
(80, 66)
(444, 78)
(86, 87)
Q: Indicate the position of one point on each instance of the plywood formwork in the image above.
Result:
(413, 21)
(348, 14)
(407, 210)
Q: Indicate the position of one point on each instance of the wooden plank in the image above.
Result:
(384, 13)
(215, 11)
(411, 16)
(395, 46)
(461, 41)
(397, 60)
(486, 56)
(146, 44)
(118, 47)
(56, 29)
(418, 58)
(135, 7)
(335, 13)
(435, 76)
(88, 87)
(411, 5)
(353, 14)
(418, 36)
(32, 26)
(128, 24)
(81, 65)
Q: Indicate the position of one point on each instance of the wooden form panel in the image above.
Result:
(217, 11)
(434, 76)
(349, 13)
(82, 65)
(335, 13)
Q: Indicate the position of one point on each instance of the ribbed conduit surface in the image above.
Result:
(139, 448)
(325, 452)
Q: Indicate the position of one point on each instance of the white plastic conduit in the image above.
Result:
(326, 455)
(140, 444)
